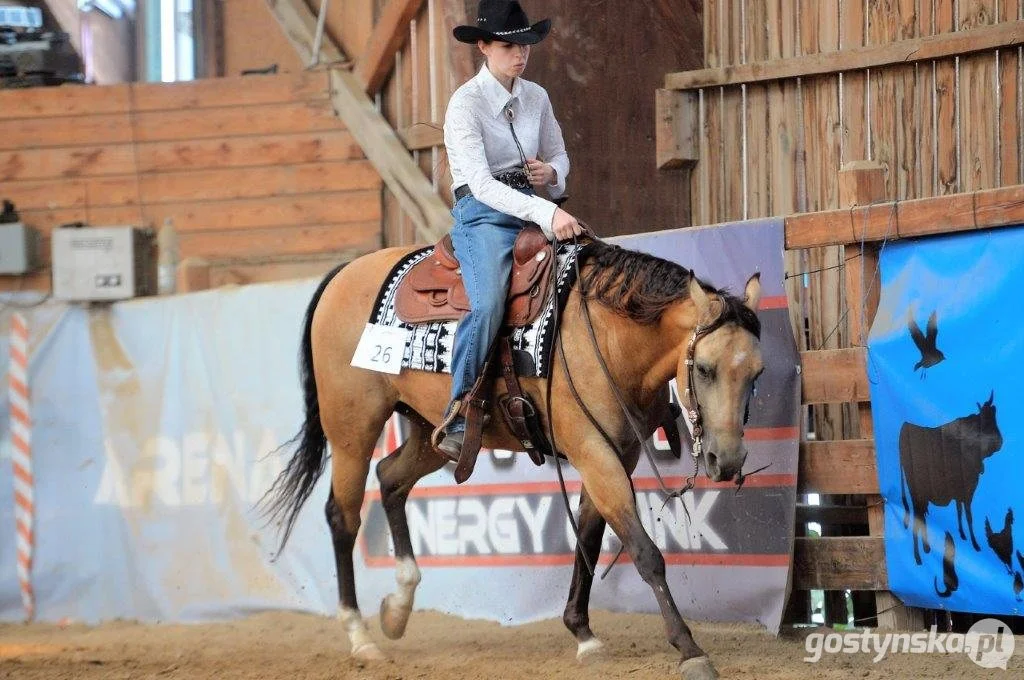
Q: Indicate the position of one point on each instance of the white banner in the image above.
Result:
(154, 423)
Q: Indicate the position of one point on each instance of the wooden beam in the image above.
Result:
(387, 153)
(890, 221)
(839, 563)
(832, 514)
(834, 376)
(388, 37)
(422, 136)
(837, 467)
(378, 140)
(675, 129)
(1006, 34)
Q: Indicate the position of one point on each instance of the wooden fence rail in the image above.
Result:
(848, 466)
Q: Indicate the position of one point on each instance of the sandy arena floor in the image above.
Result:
(285, 645)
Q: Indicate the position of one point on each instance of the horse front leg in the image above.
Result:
(608, 485)
(577, 610)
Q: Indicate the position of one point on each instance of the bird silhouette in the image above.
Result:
(1001, 542)
(930, 354)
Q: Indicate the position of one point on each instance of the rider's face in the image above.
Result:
(505, 59)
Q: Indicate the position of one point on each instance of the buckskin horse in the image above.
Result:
(652, 320)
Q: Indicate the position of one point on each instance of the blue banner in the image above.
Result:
(945, 363)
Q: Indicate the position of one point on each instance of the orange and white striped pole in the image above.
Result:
(21, 458)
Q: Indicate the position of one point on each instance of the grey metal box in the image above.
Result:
(19, 248)
(103, 263)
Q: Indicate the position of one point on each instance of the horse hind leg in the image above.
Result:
(352, 429)
(398, 473)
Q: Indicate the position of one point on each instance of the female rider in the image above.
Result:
(504, 147)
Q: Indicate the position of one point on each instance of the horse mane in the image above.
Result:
(641, 287)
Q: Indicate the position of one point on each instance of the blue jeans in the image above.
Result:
(483, 240)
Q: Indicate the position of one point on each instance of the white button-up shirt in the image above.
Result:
(480, 144)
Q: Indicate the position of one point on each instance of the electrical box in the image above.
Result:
(103, 263)
(19, 248)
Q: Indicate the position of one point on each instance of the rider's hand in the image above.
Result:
(540, 174)
(565, 225)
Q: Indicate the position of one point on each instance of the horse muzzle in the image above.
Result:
(724, 468)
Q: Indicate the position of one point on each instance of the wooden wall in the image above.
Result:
(614, 183)
(247, 170)
(939, 127)
(775, 148)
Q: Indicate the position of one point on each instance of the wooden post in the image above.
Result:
(675, 129)
(193, 275)
(862, 183)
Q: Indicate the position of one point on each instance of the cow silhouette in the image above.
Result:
(942, 465)
(949, 577)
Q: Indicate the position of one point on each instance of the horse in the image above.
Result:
(651, 320)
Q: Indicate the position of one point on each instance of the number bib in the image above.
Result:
(381, 348)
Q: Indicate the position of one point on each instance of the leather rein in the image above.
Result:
(694, 414)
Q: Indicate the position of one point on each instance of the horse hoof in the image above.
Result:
(590, 651)
(698, 668)
(392, 619)
(368, 651)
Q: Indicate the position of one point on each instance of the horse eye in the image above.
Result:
(705, 372)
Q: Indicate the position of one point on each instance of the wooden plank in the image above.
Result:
(920, 217)
(421, 136)
(326, 179)
(123, 159)
(1009, 105)
(833, 376)
(66, 100)
(872, 56)
(308, 209)
(884, 29)
(675, 129)
(388, 37)
(733, 156)
(194, 185)
(839, 563)
(947, 150)
(979, 105)
(854, 84)
(758, 160)
(242, 274)
(924, 118)
(845, 466)
(290, 240)
(377, 139)
(254, 90)
(177, 125)
(831, 514)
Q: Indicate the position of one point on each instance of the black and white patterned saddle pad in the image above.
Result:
(429, 345)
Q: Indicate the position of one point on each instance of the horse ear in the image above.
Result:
(752, 292)
(991, 398)
(700, 298)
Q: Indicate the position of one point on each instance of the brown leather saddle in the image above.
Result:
(433, 289)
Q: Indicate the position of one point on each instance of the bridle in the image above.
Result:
(693, 412)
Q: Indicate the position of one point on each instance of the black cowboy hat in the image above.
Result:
(504, 21)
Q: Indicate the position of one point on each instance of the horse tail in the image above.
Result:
(285, 498)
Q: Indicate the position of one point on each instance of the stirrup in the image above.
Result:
(439, 433)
